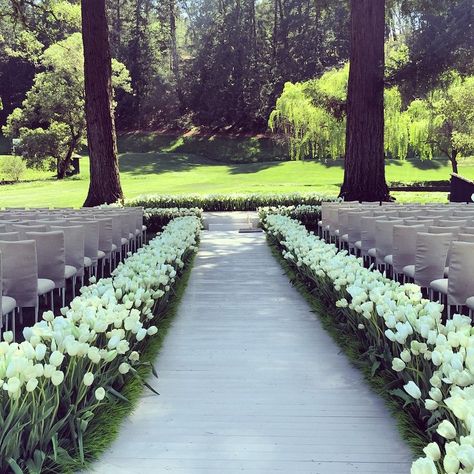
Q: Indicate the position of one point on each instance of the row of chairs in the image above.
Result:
(42, 250)
(430, 245)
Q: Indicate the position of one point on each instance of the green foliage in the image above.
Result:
(51, 122)
(155, 218)
(228, 202)
(444, 120)
(311, 114)
(308, 215)
(12, 168)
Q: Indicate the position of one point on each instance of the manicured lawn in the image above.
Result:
(179, 173)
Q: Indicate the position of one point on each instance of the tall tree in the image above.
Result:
(104, 184)
(364, 165)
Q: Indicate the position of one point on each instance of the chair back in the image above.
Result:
(404, 245)
(73, 246)
(10, 236)
(51, 256)
(22, 229)
(105, 234)
(367, 233)
(451, 223)
(354, 225)
(431, 255)
(384, 238)
(20, 271)
(461, 273)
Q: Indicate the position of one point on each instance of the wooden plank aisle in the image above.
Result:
(250, 382)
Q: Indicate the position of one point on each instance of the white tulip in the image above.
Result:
(446, 429)
(423, 466)
(124, 368)
(88, 379)
(56, 358)
(31, 384)
(450, 463)
(99, 394)
(412, 389)
(432, 451)
(398, 365)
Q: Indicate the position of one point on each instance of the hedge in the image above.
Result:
(228, 202)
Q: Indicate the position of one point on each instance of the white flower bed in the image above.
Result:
(434, 361)
(54, 380)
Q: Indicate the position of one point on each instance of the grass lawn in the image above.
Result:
(181, 173)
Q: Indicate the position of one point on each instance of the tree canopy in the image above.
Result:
(51, 121)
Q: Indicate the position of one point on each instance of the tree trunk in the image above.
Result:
(63, 165)
(364, 165)
(454, 161)
(104, 172)
(174, 57)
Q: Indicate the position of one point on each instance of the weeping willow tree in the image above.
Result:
(443, 122)
(311, 115)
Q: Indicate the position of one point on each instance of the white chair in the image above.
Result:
(10, 236)
(105, 242)
(367, 235)
(354, 227)
(404, 247)
(21, 229)
(451, 223)
(52, 259)
(430, 258)
(470, 305)
(74, 250)
(20, 275)
(7, 305)
(91, 243)
(458, 287)
(384, 239)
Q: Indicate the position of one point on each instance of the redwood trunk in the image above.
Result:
(364, 164)
(104, 172)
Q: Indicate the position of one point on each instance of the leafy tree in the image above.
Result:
(312, 115)
(51, 122)
(444, 121)
(12, 167)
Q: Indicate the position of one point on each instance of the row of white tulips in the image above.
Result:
(434, 362)
(72, 364)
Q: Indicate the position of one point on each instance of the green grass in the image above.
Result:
(181, 173)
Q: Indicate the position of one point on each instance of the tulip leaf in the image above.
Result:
(398, 392)
(117, 394)
(15, 467)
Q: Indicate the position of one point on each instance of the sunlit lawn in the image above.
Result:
(177, 173)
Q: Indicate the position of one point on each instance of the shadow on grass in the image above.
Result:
(138, 164)
(157, 163)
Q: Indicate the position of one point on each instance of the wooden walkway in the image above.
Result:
(250, 382)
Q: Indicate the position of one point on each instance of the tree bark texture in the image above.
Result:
(104, 184)
(364, 162)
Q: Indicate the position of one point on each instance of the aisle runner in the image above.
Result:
(250, 382)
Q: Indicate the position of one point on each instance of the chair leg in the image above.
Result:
(63, 293)
(14, 323)
(37, 310)
(74, 286)
(52, 299)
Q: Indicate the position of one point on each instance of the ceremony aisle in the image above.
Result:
(249, 381)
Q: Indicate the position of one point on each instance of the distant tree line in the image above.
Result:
(224, 63)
